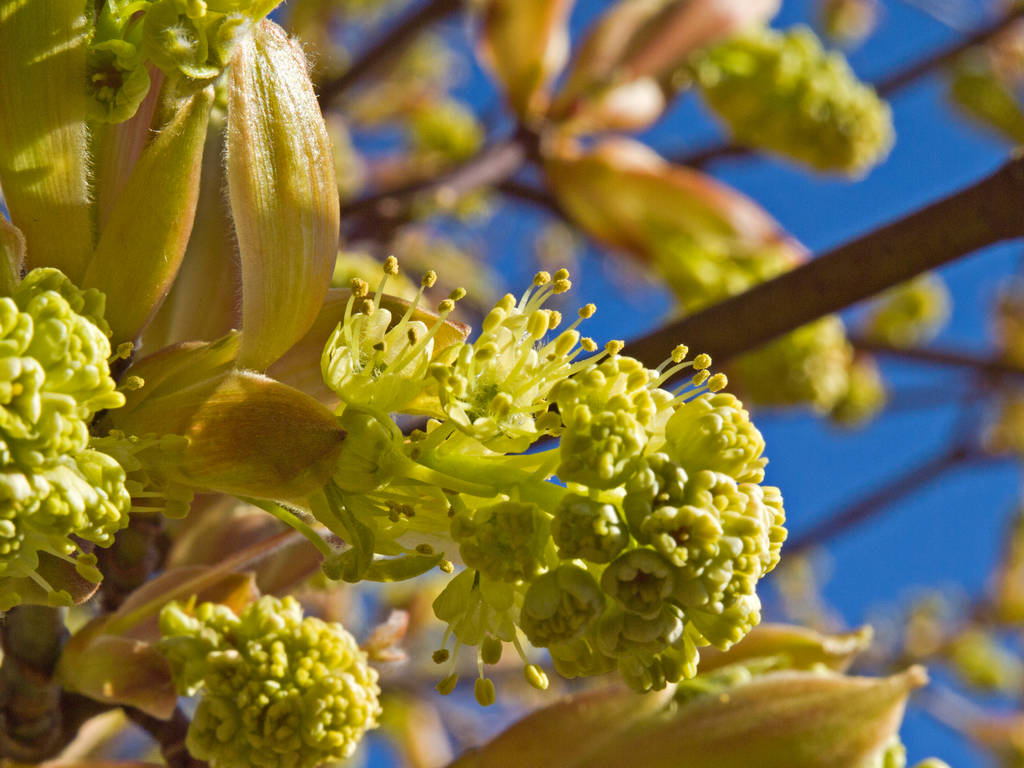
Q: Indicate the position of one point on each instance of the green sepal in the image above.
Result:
(352, 564)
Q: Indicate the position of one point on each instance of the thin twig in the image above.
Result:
(169, 734)
(982, 364)
(885, 87)
(390, 45)
(875, 502)
(535, 196)
(375, 216)
(985, 213)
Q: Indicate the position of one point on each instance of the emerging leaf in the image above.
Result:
(632, 60)
(144, 240)
(526, 44)
(43, 142)
(284, 195)
(778, 720)
(595, 719)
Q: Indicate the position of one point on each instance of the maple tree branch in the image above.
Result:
(982, 364)
(389, 45)
(376, 216)
(982, 214)
(875, 502)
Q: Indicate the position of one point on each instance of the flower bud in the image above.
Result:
(588, 529)
(559, 605)
(715, 432)
(599, 450)
(807, 366)
(640, 580)
(986, 92)
(506, 541)
(911, 313)
(627, 196)
(248, 435)
(865, 394)
(629, 63)
(525, 43)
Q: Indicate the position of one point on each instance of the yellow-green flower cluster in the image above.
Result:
(445, 131)
(184, 38)
(910, 313)
(54, 377)
(373, 359)
(703, 269)
(864, 397)
(784, 93)
(277, 690)
(809, 365)
(652, 545)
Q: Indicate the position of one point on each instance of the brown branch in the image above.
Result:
(875, 502)
(170, 735)
(137, 553)
(885, 87)
(376, 216)
(900, 79)
(983, 214)
(389, 45)
(31, 727)
(535, 196)
(956, 359)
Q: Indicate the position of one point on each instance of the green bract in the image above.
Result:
(276, 689)
(54, 377)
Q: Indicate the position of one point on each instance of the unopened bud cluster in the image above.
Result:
(184, 38)
(276, 689)
(783, 92)
(54, 377)
(809, 365)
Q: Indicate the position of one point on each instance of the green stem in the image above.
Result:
(452, 478)
(494, 470)
(293, 521)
